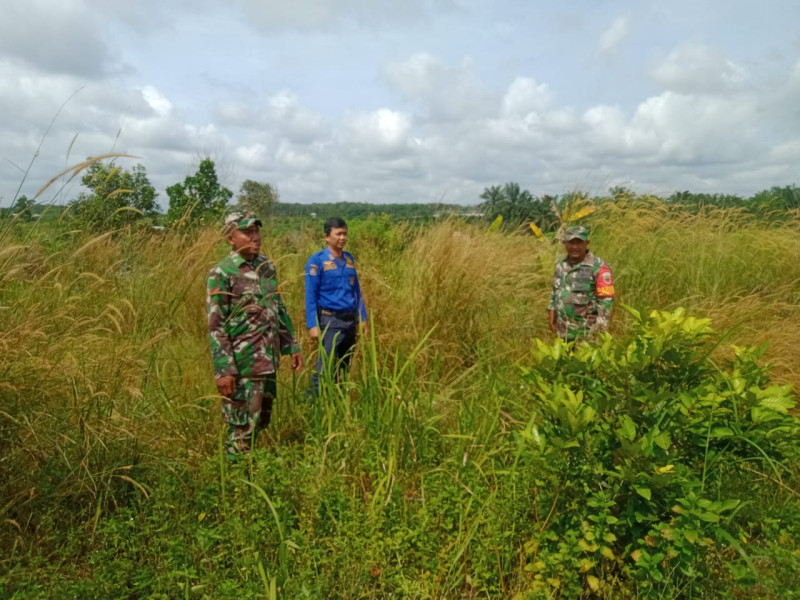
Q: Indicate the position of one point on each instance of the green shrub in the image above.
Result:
(650, 446)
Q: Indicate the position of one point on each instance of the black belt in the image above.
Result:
(342, 316)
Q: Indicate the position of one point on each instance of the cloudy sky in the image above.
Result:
(405, 101)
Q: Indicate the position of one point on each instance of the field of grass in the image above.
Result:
(417, 478)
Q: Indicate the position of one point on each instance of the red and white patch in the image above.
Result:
(605, 283)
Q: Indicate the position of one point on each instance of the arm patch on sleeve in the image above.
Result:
(605, 283)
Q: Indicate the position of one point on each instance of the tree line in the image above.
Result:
(115, 197)
(511, 206)
(357, 210)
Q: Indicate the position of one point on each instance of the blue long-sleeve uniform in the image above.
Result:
(332, 284)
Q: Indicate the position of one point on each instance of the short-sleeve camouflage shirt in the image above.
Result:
(582, 296)
(248, 325)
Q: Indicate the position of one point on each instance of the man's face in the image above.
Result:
(576, 249)
(247, 242)
(337, 238)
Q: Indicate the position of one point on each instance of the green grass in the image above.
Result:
(408, 481)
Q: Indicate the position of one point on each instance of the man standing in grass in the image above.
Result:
(334, 305)
(583, 290)
(248, 329)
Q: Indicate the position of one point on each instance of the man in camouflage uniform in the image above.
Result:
(248, 329)
(583, 290)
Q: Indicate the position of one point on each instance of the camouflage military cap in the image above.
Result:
(240, 219)
(576, 232)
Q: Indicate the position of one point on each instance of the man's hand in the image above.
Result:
(297, 361)
(314, 332)
(226, 386)
(364, 329)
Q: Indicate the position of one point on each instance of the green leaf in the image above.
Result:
(663, 440)
(721, 432)
(644, 492)
(627, 428)
(647, 445)
(709, 517)
(729, 504)
(762, 415)
(563, 445)
(777, 399)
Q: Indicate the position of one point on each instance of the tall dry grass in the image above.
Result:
(720, 263)
(476, 293)
(105, 377)
(100, 380)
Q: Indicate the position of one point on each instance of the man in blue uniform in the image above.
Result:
(334, 305)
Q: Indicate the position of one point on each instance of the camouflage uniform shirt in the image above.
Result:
(582, 297)
(248, 325)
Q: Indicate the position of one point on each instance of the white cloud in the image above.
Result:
(696, 68)
(561, 121)
(235, 114)
(143, 16)
(253, 155)
(384, 132)
(674, 129)
(615, 35)
(525, 96)
(443, 92)
(293, 158)
(295, 122)
(606, 127)
(698, 129)
(404, 102)
(57, 37)
(157, 101)
(786, 154)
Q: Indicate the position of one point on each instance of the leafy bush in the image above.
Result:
(116, 196)
(653, 446)
(200, 199)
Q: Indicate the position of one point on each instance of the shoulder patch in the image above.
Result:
(605, 283)
(313, 270)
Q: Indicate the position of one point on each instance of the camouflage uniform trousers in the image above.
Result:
(249, 411)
